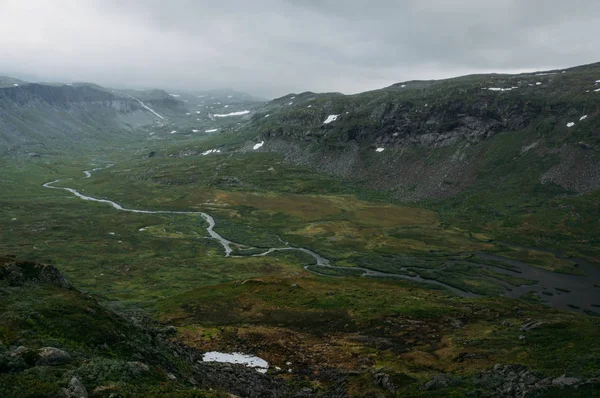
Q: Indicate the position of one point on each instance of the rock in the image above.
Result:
(19, 351)
(50, 356)
(383, 380)
(75, 389)
(295, 286)
(508, 381)
(438, 382)
(305, 392)
(170, 331)
(171, 376)
(565, 381)
(530, 325)
(138, 367)
(19, 273)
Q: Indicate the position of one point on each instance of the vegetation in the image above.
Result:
(348, 326)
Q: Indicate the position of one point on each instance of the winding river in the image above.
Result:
(573, 292)
(320, 261)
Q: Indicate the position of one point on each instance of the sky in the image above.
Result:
(273, 47)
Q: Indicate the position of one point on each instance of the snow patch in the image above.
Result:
(211, 130)
(16, 85)
(194, 131)
(402, 86)
(175, 95)
(211, 151)
(173, 132)
(538, 83)
(240, 113)
(249, 361)
(331, 118)
(583, 118)
(260, 144)
(291, 103)
(570, 124)
(502, 89)
(147, 107)
(379, 149)
(310, 106)
(142, 229)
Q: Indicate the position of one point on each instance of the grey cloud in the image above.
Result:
(271, 47)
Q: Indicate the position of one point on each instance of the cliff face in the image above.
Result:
(432, 139)
(37, 116)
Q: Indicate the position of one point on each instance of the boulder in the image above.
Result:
(75, 389)
(50, 356)
(438, 382)
(565, 381)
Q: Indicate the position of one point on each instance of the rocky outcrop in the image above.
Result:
(18, 273)
(51, 356)
(75, 389)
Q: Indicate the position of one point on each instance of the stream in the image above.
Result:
(571, 292)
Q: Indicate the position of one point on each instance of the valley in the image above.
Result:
(432, 239)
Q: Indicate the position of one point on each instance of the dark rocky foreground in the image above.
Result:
(63, 343)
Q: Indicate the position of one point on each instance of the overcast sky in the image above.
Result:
(273, 47)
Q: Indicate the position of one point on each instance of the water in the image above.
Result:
(570, 292)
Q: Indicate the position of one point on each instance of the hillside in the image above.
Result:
(434, 135)
(515, 157)
(428, 239)
(37, 117)
(57, 342)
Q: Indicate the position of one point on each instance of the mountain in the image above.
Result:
(431, 238)
(35, 116)
(434, 135)
(56, 116)
(515, 157)
(6, 81)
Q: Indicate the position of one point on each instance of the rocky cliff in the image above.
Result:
(431, 139)
(38, 116)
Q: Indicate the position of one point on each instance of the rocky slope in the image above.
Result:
(429, 139)
(58, 342)
(35, 117)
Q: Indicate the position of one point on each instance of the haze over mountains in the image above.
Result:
(282, 232)
(330, 131)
